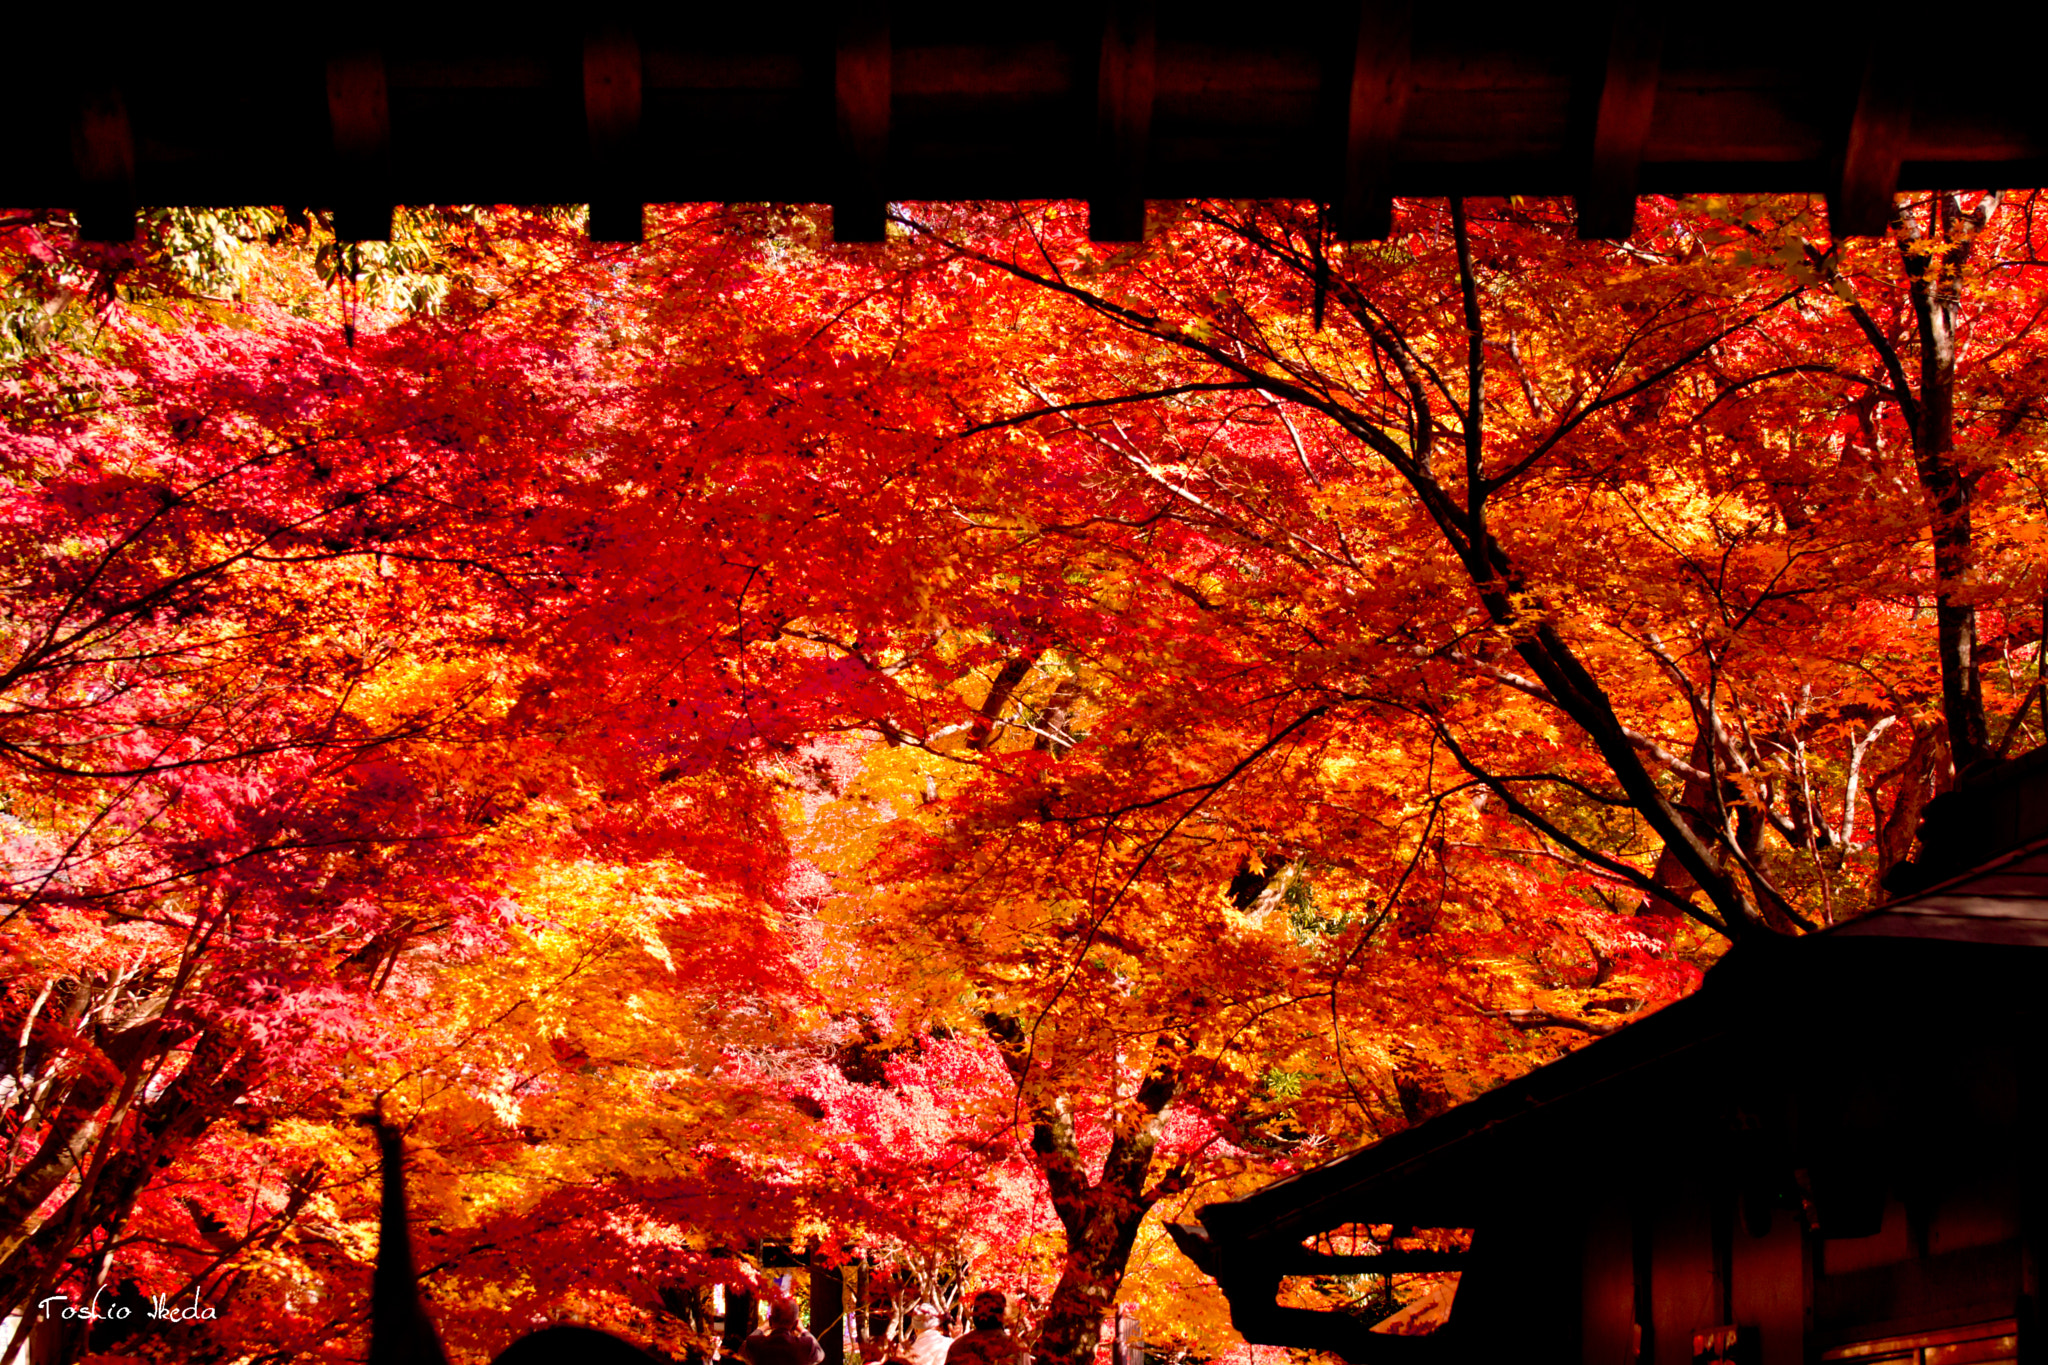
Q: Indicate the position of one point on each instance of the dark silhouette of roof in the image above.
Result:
(2004, 904)
(1954, 969)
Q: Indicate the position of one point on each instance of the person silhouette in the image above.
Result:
(783, 1342)
(988, 1343)
(571, 1346)
(929, 1346)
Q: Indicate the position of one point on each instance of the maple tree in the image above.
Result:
(266, 576)
(426, 622)
(959, 750)
(217, 749)
(1667, 620)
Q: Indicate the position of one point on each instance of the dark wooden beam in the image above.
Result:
(1621, 126)
(103, 153)
(359, 118)
(1300, 102)
(1301, 1261)
(1250, 1279)
(611, 116)
(1378, 101)
(1862, 204)
(862, 82)
(1125, 79)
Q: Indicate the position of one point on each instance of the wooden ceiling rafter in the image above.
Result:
(863, 87)
(1377, 101)
(612, 100)
(1621, 126)
(1126, 82)
(359, 124)
(1861, 205)
(103, 150)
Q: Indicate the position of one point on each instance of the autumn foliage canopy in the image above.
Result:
(933, 758)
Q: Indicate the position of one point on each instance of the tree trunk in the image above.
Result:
(1934, 262)
(77, 1122)
(1920, 779)
(217, 1073)
(1695, 807)
(1102, 1226)
(1100, 1217)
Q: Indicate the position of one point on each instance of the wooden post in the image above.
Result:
(1641, 1232)
(740, 1312)
(2032, 1083)
(1607, 1286)
(828, 1308)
